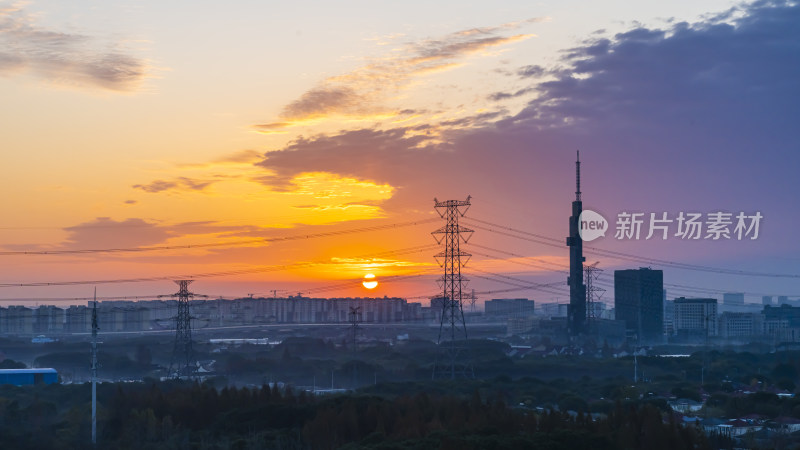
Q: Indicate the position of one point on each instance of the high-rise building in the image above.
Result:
(639, 301)
(695, 318)
(733, 299)
(766, 300)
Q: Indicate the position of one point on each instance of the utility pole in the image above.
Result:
(705, 351)
(355, 319)
(94, 368)
(454, 356)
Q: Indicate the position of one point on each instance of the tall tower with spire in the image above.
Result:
(576, 313)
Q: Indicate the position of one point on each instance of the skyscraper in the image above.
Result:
(639, 301)
(576, 313)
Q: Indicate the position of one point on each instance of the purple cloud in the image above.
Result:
(64, 58)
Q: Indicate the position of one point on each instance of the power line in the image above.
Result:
(217, 244)
(540, 239)
(206, 274)
(688, 290)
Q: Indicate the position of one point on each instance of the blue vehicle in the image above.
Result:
(24, 377)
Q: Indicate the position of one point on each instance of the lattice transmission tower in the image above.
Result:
(593, 294)
(355, 320)
(454, 353)
(182, 363)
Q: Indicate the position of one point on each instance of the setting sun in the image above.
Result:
(369, 281)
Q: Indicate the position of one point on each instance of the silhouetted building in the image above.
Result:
(733, 299)
(504, 308)
(639, 302)
(782, 323)
(16, 320)
(553, 309)
(127, 316)
(78, 319)
(695, 318)
(48, 318)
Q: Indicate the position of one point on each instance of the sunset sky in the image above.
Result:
(329, 127)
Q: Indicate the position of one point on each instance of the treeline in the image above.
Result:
(200, 416)
(457, 423)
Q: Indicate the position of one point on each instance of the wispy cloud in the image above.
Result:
(104, 232)
(242, 157)
(179, 183)
(64, 58)
(363, 92)
(497, 96)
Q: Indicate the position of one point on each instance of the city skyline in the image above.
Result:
(129, 132)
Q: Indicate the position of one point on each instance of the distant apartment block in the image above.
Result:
(733, 299)
(553, 309)
(127, 316)
(741, 325)
(782, 323)
(695, 318)
(504, 308)
(639, 302)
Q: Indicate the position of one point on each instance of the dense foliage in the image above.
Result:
(184, 415)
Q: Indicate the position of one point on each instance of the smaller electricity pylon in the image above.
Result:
(355, 320)
(95, 328)
(593, 295)
(182, 364)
